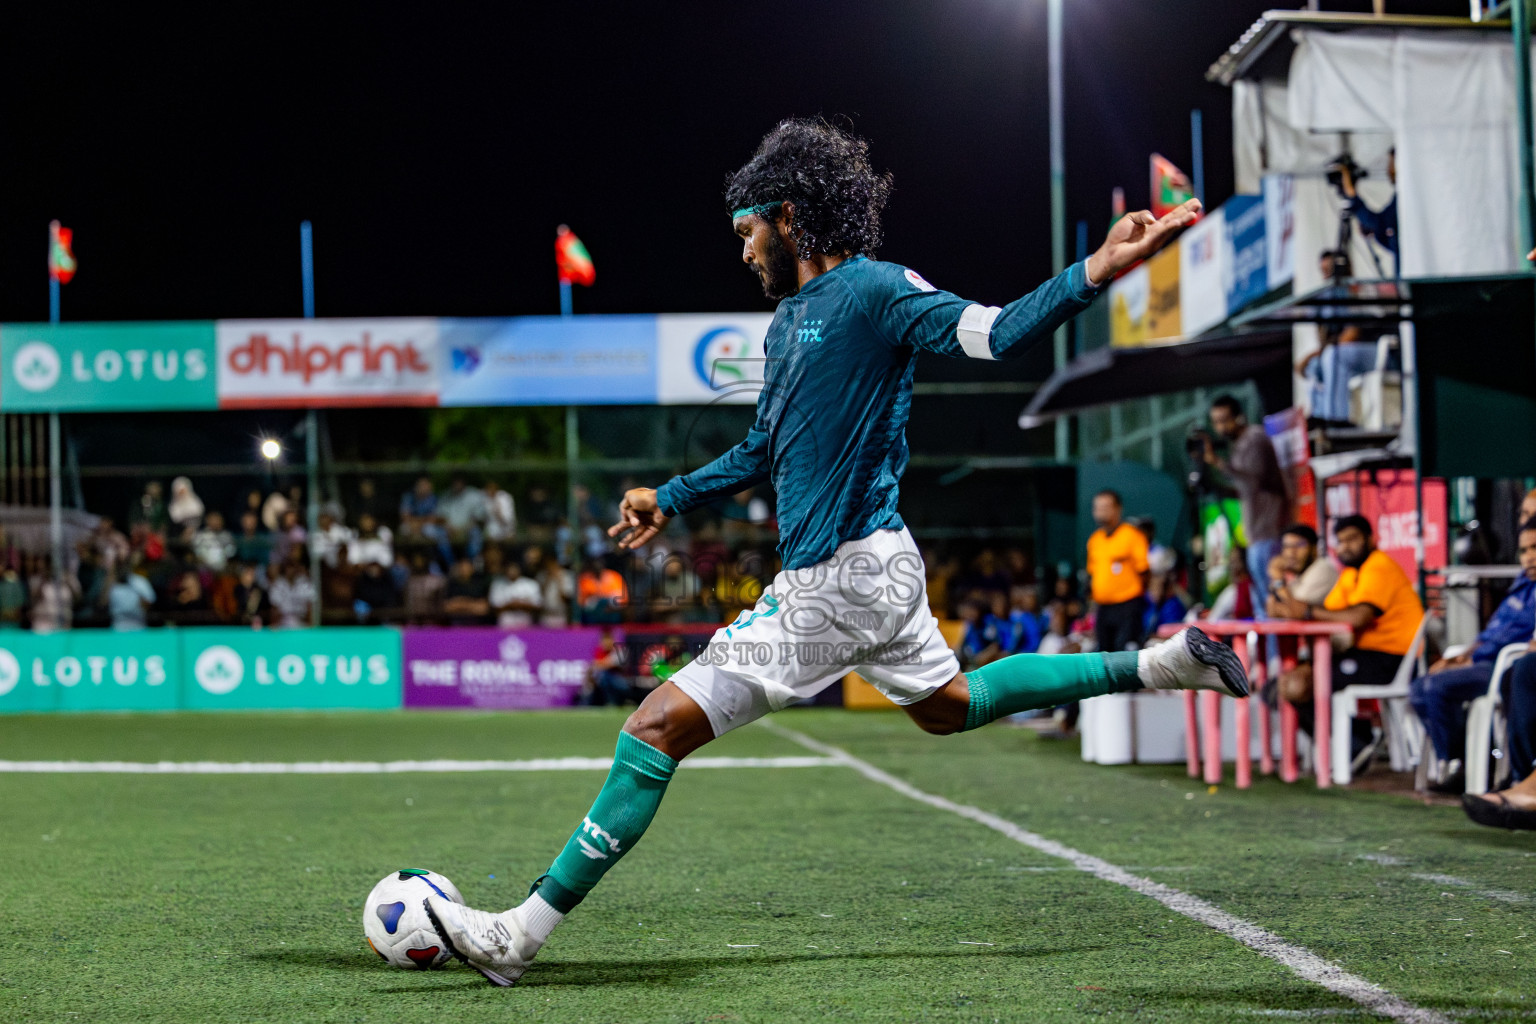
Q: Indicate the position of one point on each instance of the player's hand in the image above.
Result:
(640, 518)
(1137, 236)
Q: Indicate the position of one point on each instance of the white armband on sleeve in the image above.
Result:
(975, 330)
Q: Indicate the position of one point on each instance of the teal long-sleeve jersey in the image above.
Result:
(831, 420)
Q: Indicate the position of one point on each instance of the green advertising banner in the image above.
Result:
(333, 667)
(107, 367)
(89, 670)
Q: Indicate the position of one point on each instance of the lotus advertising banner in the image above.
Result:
(333, 667)
(497, 668)
(107, 367)
(89, 670)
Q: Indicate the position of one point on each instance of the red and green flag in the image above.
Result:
(1170, 186)
(61, 260)
(572, 259)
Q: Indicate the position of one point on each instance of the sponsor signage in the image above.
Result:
(334, 667)
(1128, 299)
(496, 668)
(1164, 321)
(276, 363)
(708, 358)
(1387, 500)
(547, 360)
(1203, 266)
(1279, 200)
(1247, 272)
(89, 670)
(107, 367)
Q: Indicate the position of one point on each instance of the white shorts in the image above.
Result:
(865, 609)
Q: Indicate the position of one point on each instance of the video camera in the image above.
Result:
(1341, 165)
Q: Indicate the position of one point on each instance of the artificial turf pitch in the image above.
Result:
(759, 894)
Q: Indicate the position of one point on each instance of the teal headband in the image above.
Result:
(747, 211)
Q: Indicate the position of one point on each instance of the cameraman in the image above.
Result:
(1381, 225)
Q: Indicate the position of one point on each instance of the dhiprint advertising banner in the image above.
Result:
(265, 364)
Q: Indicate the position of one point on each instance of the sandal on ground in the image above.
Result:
(1496, 811)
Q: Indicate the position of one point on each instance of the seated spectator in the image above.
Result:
(465, 598)
(374, 592)
(290, 536)
(1026, 623)
(463, 515)
(500, 514)
(336, 585)
(979, 644)
(1236, 600)
(420, 520)
(252, 546)
(149, 510)
(556, 583)
(1440, 697)
(372, 543)
(213, 545)
(674, 589)
(609, 683)
(1376, 599)
(188, 594)
(53, 598)
(424, 591)
(292, 595)
(93, 584)
(1297, 573)
(601, 593)
(111, 546)
(185, 509)
(251, 605)
(1059, 638)
(331, 537)
(129, 600)
(1167, 603)
(515, 599)
(1515, 806)
(13, 598)
(366, 502)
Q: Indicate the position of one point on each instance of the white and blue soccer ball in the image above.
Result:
(396, 925)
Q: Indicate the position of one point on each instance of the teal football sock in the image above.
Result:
(619, 817)
(1027, 681)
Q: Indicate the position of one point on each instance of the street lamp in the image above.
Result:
(270, 449)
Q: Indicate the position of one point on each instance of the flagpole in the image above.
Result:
(572, 450)
(55, 481)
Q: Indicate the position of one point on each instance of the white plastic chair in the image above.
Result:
(1485, 719)
(1405, 736)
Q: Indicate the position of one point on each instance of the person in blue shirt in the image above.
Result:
(1440, 697)
(1380, 225)
(1027, 621)
(830, 437)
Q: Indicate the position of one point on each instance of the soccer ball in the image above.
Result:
(396, 925)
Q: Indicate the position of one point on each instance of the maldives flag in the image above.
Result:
(61, 261)
(572, 259)
(1170, 186)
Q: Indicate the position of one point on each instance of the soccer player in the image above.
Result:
(830, 436)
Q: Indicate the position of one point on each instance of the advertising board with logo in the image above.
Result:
(89, 670)
(709, 358)
(335, 667)
(548, 360)
(1388, 500)
(1247, 270)
(1279, 229)
(1129, 296)
(265, 364)
(1164, 320)
(1203, 267)
(496, 668)
(107, 367)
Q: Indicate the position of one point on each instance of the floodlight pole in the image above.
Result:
(1058, 198)
(311, 430)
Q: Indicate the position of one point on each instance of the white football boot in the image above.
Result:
(1190, 660)
(496, 945)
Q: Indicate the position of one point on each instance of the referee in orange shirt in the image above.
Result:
(1117, 571)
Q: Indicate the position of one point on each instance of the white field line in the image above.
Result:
(1303, 962)
(551, 764)
(1502, 895)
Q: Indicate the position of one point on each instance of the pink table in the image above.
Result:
(1206, 728)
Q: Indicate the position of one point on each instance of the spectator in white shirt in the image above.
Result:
(330, 537)
(372, 544)
(213, 545)
(129, 600)
(291, 595)
(515, 598)
(500, 514)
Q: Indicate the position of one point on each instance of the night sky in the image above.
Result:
(436, 150)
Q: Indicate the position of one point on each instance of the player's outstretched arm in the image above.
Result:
(1135, 237)
(644, 512)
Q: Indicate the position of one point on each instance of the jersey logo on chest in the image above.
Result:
(809, 331)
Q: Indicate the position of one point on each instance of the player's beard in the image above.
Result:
(779, 273)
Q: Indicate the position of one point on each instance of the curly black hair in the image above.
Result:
(825, 172)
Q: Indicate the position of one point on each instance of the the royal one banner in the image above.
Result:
(496, 668)
(684, 359)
